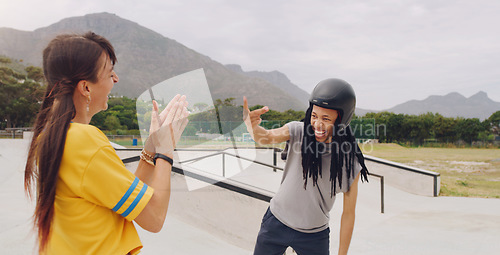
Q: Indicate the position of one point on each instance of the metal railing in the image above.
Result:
(224, 153)
(14, 133)
(233, 186)
(382, 202)
(434, 175)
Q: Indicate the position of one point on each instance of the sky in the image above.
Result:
(390, 51)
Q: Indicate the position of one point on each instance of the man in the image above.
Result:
(320, 163)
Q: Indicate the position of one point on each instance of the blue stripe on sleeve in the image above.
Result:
(127, 195)
(136, 201)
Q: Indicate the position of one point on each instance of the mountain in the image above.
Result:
(276, 78)
(451, 105)
(281, 80)
(361, 112)
(146, 58)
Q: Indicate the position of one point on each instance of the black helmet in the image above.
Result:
(335, 94)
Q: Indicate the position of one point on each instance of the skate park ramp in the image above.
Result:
(207, 218)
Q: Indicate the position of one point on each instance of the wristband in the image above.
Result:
(168, 159)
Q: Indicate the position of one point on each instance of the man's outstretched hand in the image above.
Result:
(252, 118)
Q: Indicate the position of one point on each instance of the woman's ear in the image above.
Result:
(82, 88)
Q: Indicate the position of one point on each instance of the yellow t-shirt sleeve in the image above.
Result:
(106, 182)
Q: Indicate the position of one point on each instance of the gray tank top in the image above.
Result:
(306, 210)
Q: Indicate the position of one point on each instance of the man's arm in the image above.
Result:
(259, 134)
(348, 217)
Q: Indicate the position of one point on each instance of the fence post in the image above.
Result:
(382, 194)
(275, 162)
(224, 165)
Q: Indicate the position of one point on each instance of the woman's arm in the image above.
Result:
(259, 134)
(348, 217)
(145, 171)
(153, 215)
(164, 135)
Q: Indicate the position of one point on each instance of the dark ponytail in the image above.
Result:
(49, 154)
(67, 60)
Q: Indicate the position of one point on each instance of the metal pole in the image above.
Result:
(275, 162)
(435, 186)
(382, 194)
(223, 165)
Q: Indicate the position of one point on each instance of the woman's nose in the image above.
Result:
(115, 77)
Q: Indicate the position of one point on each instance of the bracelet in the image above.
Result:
(143, 152)
(147, 160)
(168, 159)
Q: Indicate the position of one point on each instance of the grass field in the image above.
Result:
(465, 172)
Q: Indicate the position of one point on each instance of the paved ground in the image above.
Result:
(210, 220)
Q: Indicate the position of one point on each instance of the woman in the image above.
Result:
(86, 199)
(320, 163)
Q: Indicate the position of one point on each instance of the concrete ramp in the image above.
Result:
(209, 220)
(214, 220)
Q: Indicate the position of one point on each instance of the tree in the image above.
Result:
(35, 73)
(422, 127)
(468, 129)
(231, 117)
(227, 110)
(124, 109)
(494, 123)
(20, 96)
(390, 123)
(395, 127)
(189, 131)
(200, 107)
(112, 123)
(5, 60)
(444, 130)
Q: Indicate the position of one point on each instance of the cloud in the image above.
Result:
(390, 50)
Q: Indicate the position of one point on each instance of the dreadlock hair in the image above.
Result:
(344, 149)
